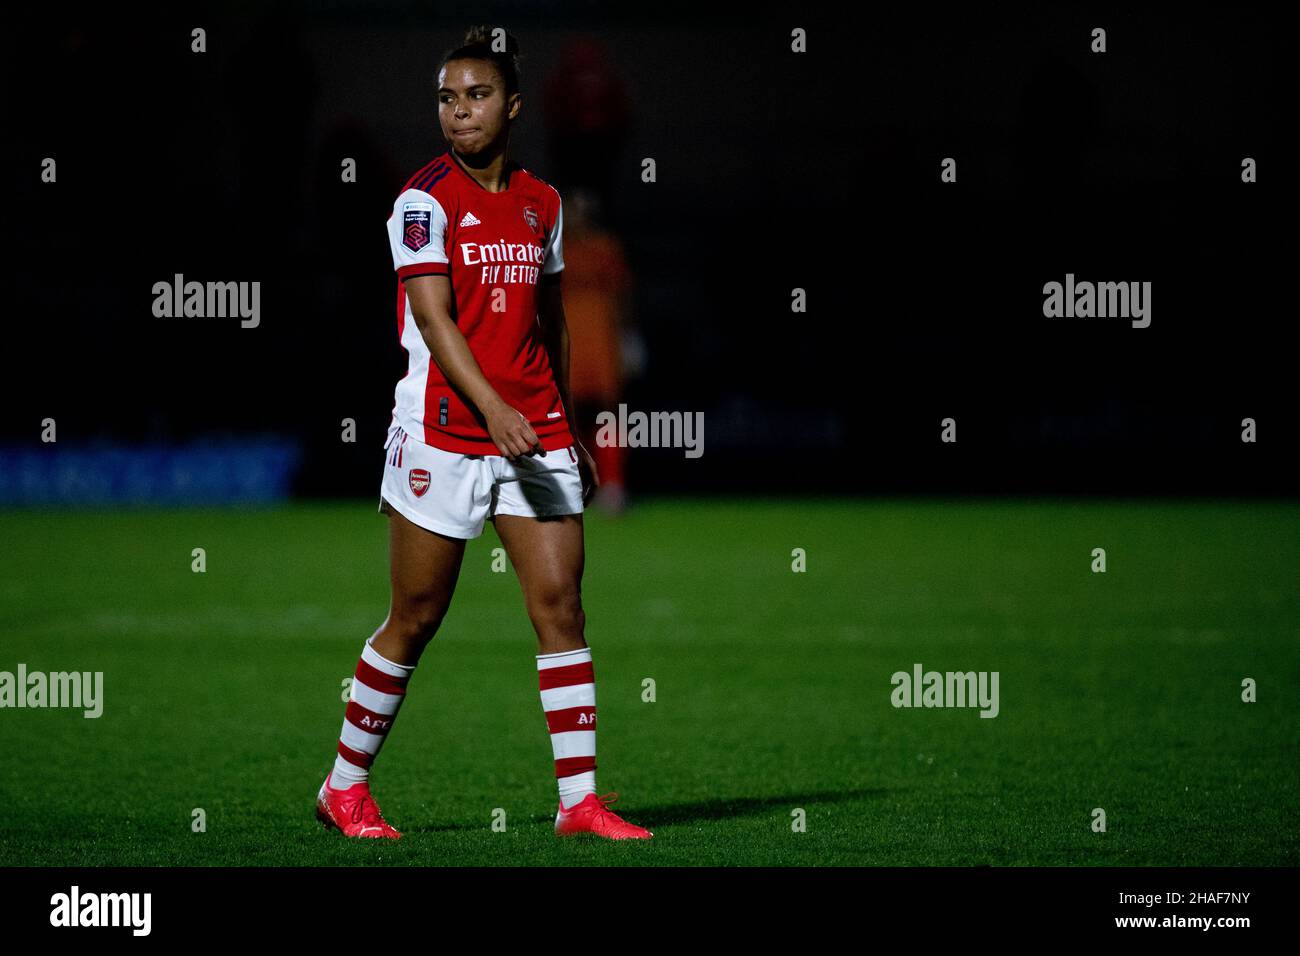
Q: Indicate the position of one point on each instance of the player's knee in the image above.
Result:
(557, 608)
(416, 623)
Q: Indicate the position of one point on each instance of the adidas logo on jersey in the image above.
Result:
(469, 220)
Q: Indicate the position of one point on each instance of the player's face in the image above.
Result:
(472, 106)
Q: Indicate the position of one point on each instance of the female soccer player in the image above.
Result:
(481, 430)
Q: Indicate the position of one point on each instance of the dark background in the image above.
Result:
(775, 170)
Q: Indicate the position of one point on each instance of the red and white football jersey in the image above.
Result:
(494, 247)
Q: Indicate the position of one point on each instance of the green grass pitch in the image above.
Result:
(1118, 690)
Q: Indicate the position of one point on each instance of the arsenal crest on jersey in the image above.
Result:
(419, 481)
(530, 217)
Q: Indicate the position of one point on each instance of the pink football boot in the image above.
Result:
(593, 815)
(353, 812)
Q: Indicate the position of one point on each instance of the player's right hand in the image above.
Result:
(513, 436)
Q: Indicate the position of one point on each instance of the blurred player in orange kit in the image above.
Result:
(597, 294)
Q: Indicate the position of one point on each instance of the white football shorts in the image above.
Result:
(454, 494)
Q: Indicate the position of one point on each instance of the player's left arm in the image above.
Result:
(555, 335)
(550, 310)
(555, 339)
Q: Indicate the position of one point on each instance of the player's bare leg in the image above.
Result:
(424, 567)
(548, 557)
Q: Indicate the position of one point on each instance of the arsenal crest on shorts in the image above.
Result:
(419, 481)
(417, 217)
(530, 217)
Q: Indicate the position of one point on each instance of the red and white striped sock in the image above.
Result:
(568, 688)
(378, 689)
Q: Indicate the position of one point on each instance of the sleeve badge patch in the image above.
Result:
(417, 218)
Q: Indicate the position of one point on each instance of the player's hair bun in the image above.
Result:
(478, 45)
(483, 35)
